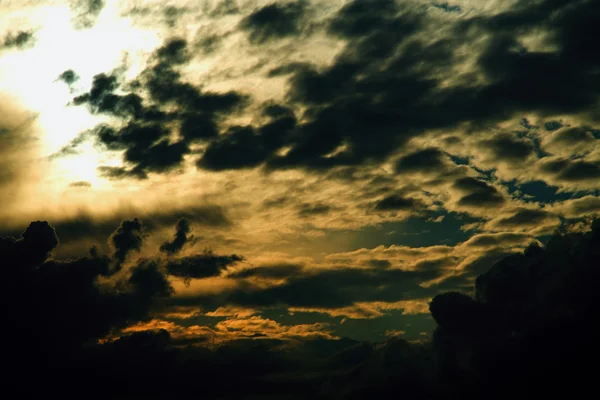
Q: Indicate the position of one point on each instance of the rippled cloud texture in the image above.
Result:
(310, 171)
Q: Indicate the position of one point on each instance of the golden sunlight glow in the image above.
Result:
(113, 41)
(80, 167)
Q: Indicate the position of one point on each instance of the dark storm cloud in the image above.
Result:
(325, 288)
(359, 18)
(147, 149)
(398, 203)
(240, 147)
(426, 160)
(552, 125)
(163, 82)
(530, 313)
(531, 320)
(60, 308)
(343, 109)
(478, 193)
(57, 306)
(50, 297)
(147, 137)
(402, 101)
(32, 248)
(198, 126)
(559, 81)
(180, 239)
(571, 170)
(509, 148)
(69, 77)
(577, 135)
(128, 237)
(388, 85)
(274, 21)
(201, 265)
(101, 99)
(246, 146)
(18, 40)
(454, 311)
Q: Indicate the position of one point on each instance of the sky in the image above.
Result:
(296, 169)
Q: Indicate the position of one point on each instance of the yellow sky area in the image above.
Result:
(30, 75)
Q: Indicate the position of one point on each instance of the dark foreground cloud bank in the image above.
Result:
(527, 331)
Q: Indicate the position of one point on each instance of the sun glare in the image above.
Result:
(30, 77)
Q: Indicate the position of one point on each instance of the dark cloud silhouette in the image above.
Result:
(508, 147)
(164, 84)
(147, 135)
(519, 79)
(403, 101)
(552, 125)
(201, 265)
(359, 18)
(147, 148)
(240, 147)
(198, 127)
(455, 311)
(101, 98)
(274, 21)
(383, 89)
(426, 160)
(128, 237)
(19, 40)
(69, 77)
(397, 203)
(530, 313)
(51, 297)
(478, 193)
(246, 146)
(32, 248)
(572, 170)
(324, 288)
(180, 239)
